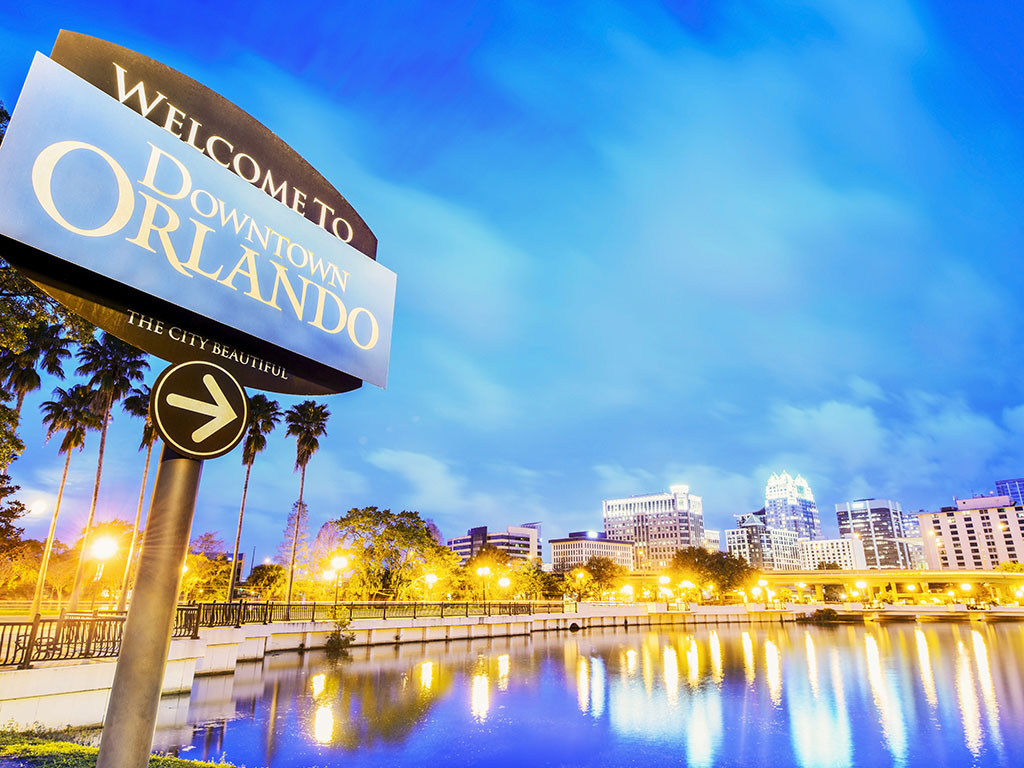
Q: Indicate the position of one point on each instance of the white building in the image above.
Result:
(580, 546)
(521, 542)
(770, 549)
(848, 554)
(658, 524)
(789, 504)
(976, 534)
(712, 540)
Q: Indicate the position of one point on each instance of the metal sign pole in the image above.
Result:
(138, 679)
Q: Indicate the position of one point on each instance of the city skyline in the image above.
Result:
(637, 246)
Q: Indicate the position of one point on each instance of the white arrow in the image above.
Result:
(221, 410)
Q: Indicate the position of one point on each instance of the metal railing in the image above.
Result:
(74, 636)
(98, 634)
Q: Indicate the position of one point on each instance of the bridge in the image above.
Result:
(910, 585)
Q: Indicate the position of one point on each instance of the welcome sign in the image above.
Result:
(190, 259)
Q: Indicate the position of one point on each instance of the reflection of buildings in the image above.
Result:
(789, 505)
(848, 554)
(878, 523)
(580, 546)
(657, 524)
(521, 542)
(976, 534)
(763, 547)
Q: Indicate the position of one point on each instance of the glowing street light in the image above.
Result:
(663, 580)
(104, 548)
(339, 563)
(431, 580)
(504, 582)
(484, 572)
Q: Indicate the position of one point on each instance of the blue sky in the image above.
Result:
(636, 243)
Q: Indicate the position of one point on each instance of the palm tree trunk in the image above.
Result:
(77, 588)
(295, 540)
(37, 598)
(238, 534)
(122, 598)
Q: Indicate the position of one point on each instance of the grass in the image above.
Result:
(59, 749)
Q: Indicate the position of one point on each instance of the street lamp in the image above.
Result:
(338, 564)
(102, 550)
(483, 572)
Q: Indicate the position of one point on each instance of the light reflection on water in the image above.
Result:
(779, 695)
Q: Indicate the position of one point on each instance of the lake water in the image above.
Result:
(734, 695)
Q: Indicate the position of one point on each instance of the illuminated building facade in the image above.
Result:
(580, 546)
(848, 554)
(521, 542)
(878, 523)
(789, 505)
(976, 534)
(712, 540)
(763, 547)
(657, 524)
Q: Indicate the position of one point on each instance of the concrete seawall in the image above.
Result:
(75, 693)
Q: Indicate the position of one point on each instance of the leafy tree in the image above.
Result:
(114, 366)
(45, 347)
(531, 582)
(307, 423)
(137, 404)
(831, 565)
(607, 576)
(69, 412)
(10, 511)
(18, 570)
(294, 549)
(264, 414)
(206, 544)
(723, 571)
(392, 552)
(269, 579)
(1009, 567)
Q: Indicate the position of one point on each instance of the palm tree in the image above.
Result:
(46, 348)
(71, 412)
(114, 366)
(307, 422)
(137, 404)
(263, 417)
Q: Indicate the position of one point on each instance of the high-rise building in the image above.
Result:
(848, 554)
(521, 542)
(712, 540)
(763, 547)
(657, 524)
(789, 505)
(878, 523)
(580, 546)
(976, 534)
(1012, 488)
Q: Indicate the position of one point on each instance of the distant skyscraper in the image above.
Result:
(763, 547)
(1012, 488)
(658, 524)
(878, 523)
(789, 505)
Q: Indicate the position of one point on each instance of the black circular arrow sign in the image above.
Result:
(199, 409)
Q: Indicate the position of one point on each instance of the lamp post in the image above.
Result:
(102, 550)
(338, 564)
(483, 572)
